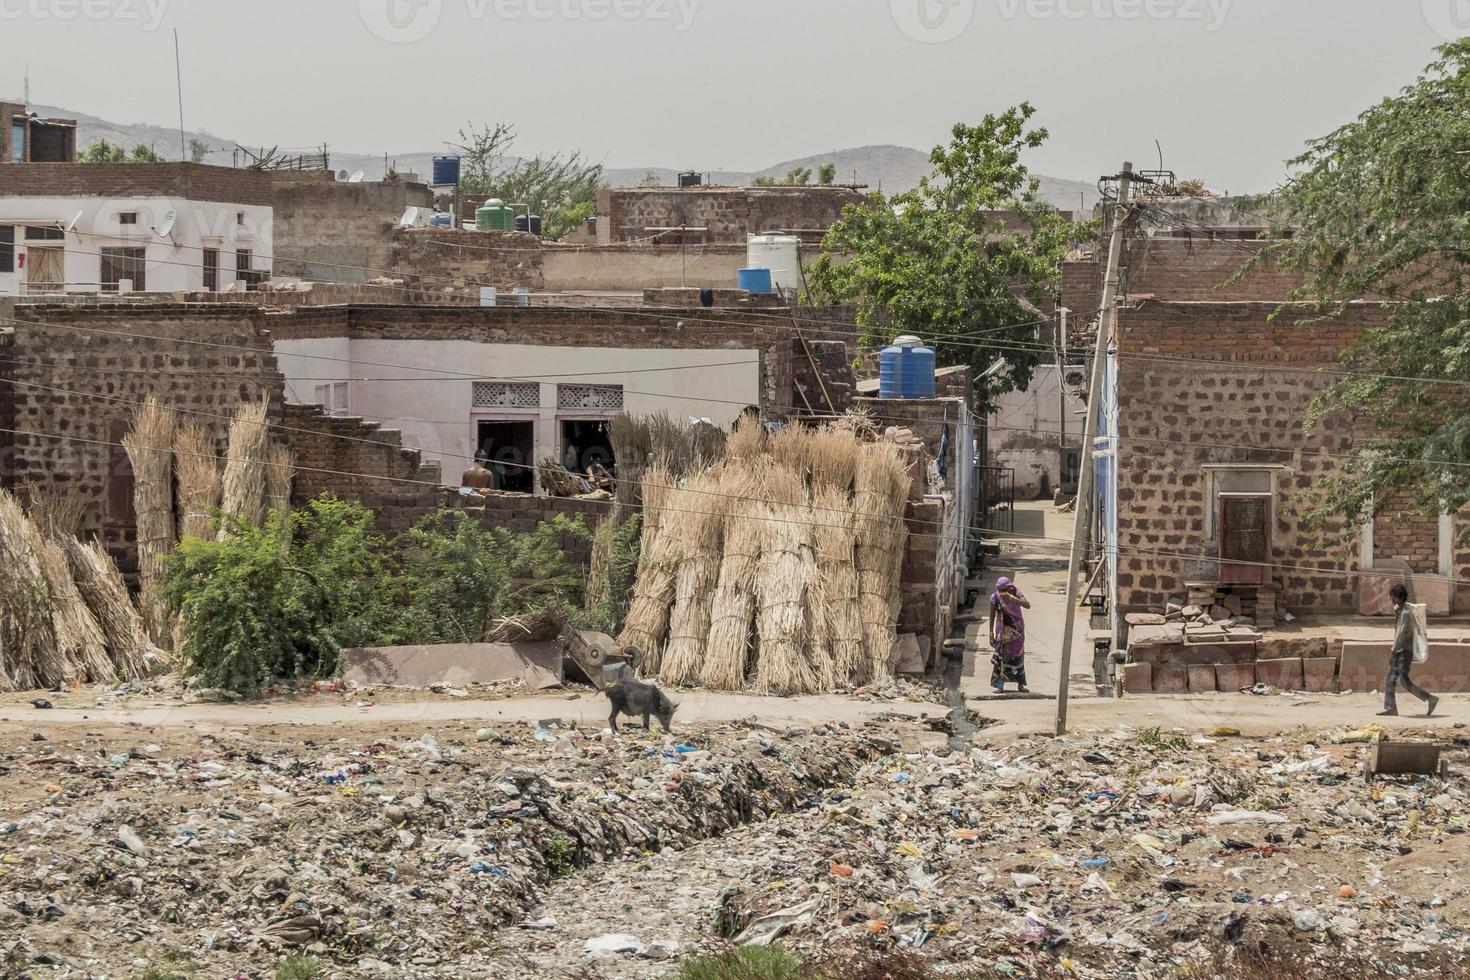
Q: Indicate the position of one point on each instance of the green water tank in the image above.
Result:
(494, 215)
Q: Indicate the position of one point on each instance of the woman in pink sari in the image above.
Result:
(1008, 636)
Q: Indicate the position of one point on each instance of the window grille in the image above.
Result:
(503, 394)
(590, 398)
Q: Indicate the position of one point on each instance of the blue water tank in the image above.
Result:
(446, 171)
(906, 369)
(755, 280)
(442, 220)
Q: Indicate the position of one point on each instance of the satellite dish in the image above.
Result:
(410, 218)
(166, 226)
(71, 225)
(356, 178)
(343, 175)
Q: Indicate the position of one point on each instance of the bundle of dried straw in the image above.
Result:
(245, 465)
(787, 662)
(196, 464)
(30, 656)
(653, 591)
(732, 609)
(696, 518)
(102, 587)
(879, 498)
(836, 544)
(280, 472)
(150, 449)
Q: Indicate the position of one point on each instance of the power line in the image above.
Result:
(942, 526)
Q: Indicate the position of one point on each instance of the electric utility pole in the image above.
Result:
(1083, 510)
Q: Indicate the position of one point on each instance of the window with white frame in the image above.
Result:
(506, 394)
(333, 398)
(590, 398)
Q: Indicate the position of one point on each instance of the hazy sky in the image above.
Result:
(1230, 87)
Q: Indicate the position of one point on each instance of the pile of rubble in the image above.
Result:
(397, 856)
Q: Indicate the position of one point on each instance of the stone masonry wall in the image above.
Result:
(77, 375)
(729, 213)
(357, 460)
(1175, 417)
(448, 258)
(339, 232)
(189, 181)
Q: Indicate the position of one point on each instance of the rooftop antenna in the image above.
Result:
(179, 77)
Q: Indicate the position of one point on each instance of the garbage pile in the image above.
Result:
(1126, 854)
(398, 856)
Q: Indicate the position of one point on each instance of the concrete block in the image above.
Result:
(1138, 678)
(1234, 677)
(1319, 674)
(1283, 674)
(539, 664)
(1365, 667)
(1284, 647)
(1169, 679)
(1201, 679)
(1435, 591)
(1373, 589)
(1224, 652)
(907, 657)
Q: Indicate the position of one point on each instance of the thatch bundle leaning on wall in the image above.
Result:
(732, 610)
(836, 545)
(653, 591)
(102, 587)
(197, 466)
(880, 495)
(245, 465)
(279, 474)
(150, 450)
(696, 517)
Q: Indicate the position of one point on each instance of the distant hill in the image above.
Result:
(890, 168)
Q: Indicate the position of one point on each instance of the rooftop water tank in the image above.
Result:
(494, 215)
(906, 369)
(779, 253)
(446, 171)
(754, 280)
(442, 220)
(530, 223)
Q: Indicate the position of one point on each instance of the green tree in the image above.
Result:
(650, 179)
(1378, 210)
(938, 262)
(828, 174)
(561, 187)
(105, 152)
(198, 150)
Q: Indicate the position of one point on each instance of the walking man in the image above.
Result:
(1402, 658)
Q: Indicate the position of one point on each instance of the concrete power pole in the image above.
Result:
(1085, 490)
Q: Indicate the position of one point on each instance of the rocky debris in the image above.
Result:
(1123, 854)
(407, 852)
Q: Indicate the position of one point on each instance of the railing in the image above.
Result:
(998, 498)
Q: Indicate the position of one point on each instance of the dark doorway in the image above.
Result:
(585, 444)
(508, 450)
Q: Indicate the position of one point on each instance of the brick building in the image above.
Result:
(27, 138)
(132, 227)
(1212, 470)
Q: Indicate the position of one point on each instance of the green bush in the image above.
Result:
(457, 577)
(284, 600)
(615, 547)
(300, 968)
(249, 613)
